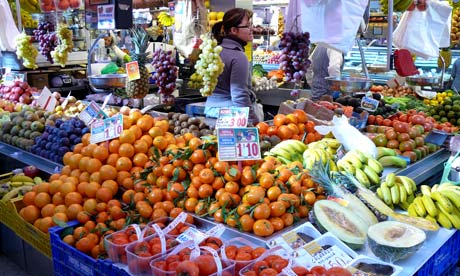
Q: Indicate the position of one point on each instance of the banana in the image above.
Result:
(402, 193)
(372, 175)
(393, 161)
(292, 145)
(344, 165)
(353, 160)
(411, 211)
(379, 192)
(444, 221)
(19, 184)
(357, 154)
(386, 194)
(390, 179)
(15, 192)
(454, 219)
(406, 183)
(446, 186)
(426, 190)
(410, 198)
(453, 196)
(404, 205)
(332, 142)
(419, 207)
(432, 219)
(434, 188)
(362, 177)
(443, 201)
(333, 166)
(21, 178)
(395, 194)
(383, 151)
(430, 207)
(281, 152)
(375, 165)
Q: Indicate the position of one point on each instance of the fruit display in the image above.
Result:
(215, 16)
(280, 24)
(266, 57)
(64, 46)
(63, 5)
(165, 19)
(26, 51)
(209, 65)
(294, 55)
(439, 99)
(16, 185)
(405, 103)
(57, 140)
(164, 65)
(27, 8)
(446, 111)
(354, 101)
(260, 30)
(139, 88)
(363, 166)
(396, 190)
(47, 39)
(455, 27)
(24, 126)
(180, 124)
(439, 203)
(398, 91)
(195, 81)
(321, 151)
(263, 84)
(18, 92)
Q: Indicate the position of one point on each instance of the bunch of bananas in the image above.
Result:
(388, 158)
(288, 151)
(455, 27)
(165, 19)
(321, 151)
(16, 185)
(364, 167)
(398, 5)
(397, 189)
(280, 24)
(440, 203)
(27, 7)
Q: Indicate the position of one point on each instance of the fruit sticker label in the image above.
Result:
(191, 234)
(46, 100)
(91, 113)
(369, 103)
(108, 129)
(232, 117)
(132, 69)
(237, 144)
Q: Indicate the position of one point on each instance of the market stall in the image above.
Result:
(111, 168)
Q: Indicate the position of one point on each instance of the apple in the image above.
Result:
(31, 171)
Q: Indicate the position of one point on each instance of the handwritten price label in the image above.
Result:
(91, 113)
(238, 144)
(107, 129)
(233, 117)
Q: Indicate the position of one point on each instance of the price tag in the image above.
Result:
(106, 17)
(237, 144)
(10, 77)
(91, 113)
(313, 253)
(191, 234)
(108, 129)
(66, 101)
(46, 100)
(233, 117)
(132, 69)
(369, 103)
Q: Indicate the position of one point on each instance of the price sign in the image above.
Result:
(106, 17)
(91, 113)
(237, 144)
(10, 77)
(191, 234)
(369, 103)
(313, 254)
(46, 100)
(103, 130)
(233, 117)
(132, 69)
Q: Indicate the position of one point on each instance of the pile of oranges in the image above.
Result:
(291, 126)
(148, 173)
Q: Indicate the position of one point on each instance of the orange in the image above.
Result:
(77, 148)
(140, 159)
(66, 170)
(85, 139)
(137, 131)
(123, 164)
(73, 210)
(122, 175)
(127, 136)
(94, 165)
(104, 194)
(30, 213)
(108, 172)
(141, 146)
(67, 187)
(163, 125)
(73, 198)
(90, 206)
(59, 217)
(101, 153)
(41, 199)
(74, 160)
(135, 115)
(126, 122)
(262, 127)
(160, 142)
(126, 150)
(48, 210)
(58, 199)
(145, 122)
(83, 163)
(88, 150)
(194, 143)
(113, 146)
(156, 131)
(279, 120)
(112, 159)
(84, 177)
(147, 138)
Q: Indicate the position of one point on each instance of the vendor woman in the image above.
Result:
(234, 84)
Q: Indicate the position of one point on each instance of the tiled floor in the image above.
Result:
(9, 268)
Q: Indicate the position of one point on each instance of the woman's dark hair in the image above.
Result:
(232, 18)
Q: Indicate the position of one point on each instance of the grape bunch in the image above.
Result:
(294, 55)
(164, 65)
(26, 50)
(62, 50)
(209, 65)
(46, 38)
(274, 59)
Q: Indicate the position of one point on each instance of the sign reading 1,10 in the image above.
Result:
(247, 149)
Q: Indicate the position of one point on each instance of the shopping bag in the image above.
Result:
(8, 29)
(424, 32)
(332, 23)
(191, 22)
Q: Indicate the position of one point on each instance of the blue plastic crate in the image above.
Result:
(444, 261)
(68, 261)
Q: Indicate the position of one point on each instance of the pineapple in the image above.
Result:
(140, 87)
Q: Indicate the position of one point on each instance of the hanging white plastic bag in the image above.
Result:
(332, 23)
(350, 137)
(424, 32)
(191, 19)
(8, 29)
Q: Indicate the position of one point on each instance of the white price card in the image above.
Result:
(313, 254)
(237, 144)
(369, 103)
(91, 113)
(107, 129)
(233, 117)
(46, 100)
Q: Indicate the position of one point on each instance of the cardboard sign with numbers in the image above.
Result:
(237, 144)
(108, 129)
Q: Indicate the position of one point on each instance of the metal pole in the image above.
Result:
(18, 15)
(390, 34)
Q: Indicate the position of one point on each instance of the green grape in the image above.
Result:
(61, 52)
(26, 50)
(209, 65)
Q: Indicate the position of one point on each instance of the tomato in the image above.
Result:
(268, 272)
(187, 268)
(418, 120)
(206, 264)
(300, 271)
(279, 264)
(160, 265)
(391, 134)
(142, 249)
(380, 140)
(173, 266)
(230, 251)
(318, 271)
(338, 271)
(259, 266)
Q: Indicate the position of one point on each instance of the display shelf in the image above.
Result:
(28, 158)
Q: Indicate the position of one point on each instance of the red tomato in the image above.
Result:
(187, 268)
(318, 271)
(338, 271)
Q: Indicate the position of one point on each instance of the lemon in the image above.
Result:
(449, 94)
(444, 94)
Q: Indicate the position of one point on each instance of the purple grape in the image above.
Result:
(294, 55)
